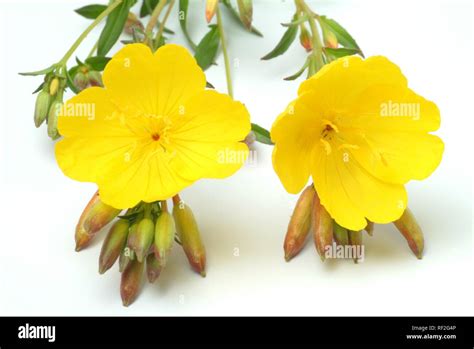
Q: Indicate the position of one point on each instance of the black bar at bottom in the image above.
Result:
(432, 332)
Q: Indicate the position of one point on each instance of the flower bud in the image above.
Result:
(125, 257)
(300, 221)
(153, 268)
(113, 245)
(408, 226)
(131, 281)
(305, 38)
(355, 239)
(95, 216)
(54, 110)
(164, 236)
(141, 238)
(321, 227)
(369, 228)
(211, 8)
(54, 86)
(341, 235)
(42, 107)
(81, 81)
(250, 138)
(132, 24)
(245, 12)
(95, 78)
(329, 38)
(188, 233)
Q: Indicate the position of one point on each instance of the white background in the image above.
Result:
(40, 274)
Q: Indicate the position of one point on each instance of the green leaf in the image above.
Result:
(91, 11)
(285, 42)
(335, 53)
(298, 21)
(39, 88)
(97, 63)
(206, 50)
(262, 135)
(39, 72)
(113, 27)
(236, 17)
(183, 15)
(147, 7)
(342, 35)
(298, 73)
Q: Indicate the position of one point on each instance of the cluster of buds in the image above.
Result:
(48, 104)
(141, 240)
(310, 216)
(85, 77)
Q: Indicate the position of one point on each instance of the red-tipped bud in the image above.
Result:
(305, 38)
(95, 216)
(133, 24)
(153, 268)
(188, 234)
(211, 8)
(300, 221)
(408, 226)
(131, 282)
(113, 245)
(321, 227)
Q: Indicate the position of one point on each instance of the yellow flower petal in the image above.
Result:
(153, 83)
(350, 194)
(292, 134)
(206, 135)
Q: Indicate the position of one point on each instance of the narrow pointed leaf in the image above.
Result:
(284, 43)
(262, 135)
(206, 50)
(91, 11)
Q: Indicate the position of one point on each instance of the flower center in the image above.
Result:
(155, 136)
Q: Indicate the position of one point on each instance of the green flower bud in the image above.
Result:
(42, 107)
(341, 235)
(188, 233)
(164, 236)
(54, 110)
(140, 239)
(113, 245)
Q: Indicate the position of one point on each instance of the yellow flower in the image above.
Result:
(361, 134)
(153, 130)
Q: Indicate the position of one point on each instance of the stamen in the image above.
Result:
(326, 145)
(155, 136)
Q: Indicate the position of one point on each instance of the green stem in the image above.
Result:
(165, 18)
(317, 44)
(79, 40)
(153, 19)
(224, 51)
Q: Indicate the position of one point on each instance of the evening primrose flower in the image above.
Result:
(152, 130)
(361, 133)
